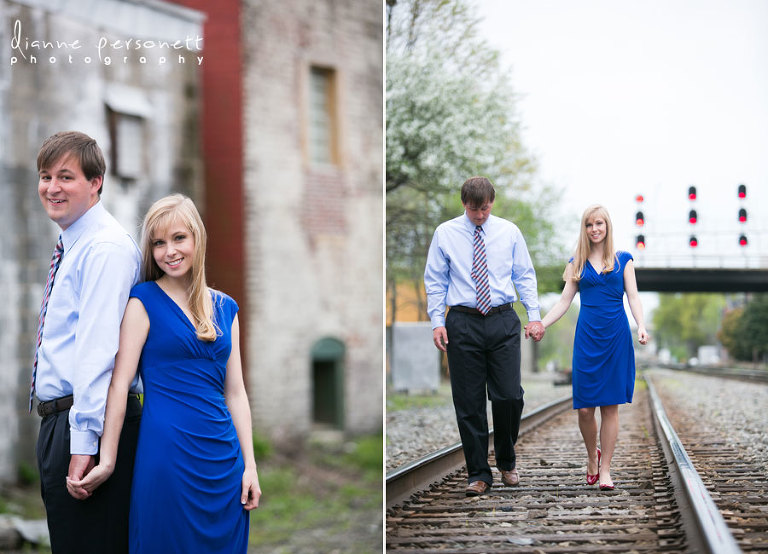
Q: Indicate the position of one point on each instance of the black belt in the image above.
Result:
(61, 404)
(475, 311)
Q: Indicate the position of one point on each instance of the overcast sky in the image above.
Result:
(619, 98)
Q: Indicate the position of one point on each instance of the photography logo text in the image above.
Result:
(102, 50)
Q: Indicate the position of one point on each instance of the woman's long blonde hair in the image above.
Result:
(584, 246)
(177, 208)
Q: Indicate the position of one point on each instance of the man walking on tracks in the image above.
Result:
(474, 264)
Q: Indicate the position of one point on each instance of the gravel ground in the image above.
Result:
(735, 409)
(416, 432)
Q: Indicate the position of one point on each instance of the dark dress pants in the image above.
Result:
(484, 358)
(98, 524)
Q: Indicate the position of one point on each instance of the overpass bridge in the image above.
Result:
(684, 274)
(701, 279)
(695, 273)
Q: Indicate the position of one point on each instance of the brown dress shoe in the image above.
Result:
(477, 488)
(510, 478)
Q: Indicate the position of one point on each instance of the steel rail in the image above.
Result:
(744, 374)
(705, 527)
(420, 474)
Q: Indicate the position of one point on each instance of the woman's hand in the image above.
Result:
(251, 489)
(84, 488)
(642, 335)
(534, 330)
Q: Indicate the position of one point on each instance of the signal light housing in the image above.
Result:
(639, 219)
(692, 216)
(743, 240)
(640, 242)
(693, 241)
(742, 215)
(742, 191)
(691, 193)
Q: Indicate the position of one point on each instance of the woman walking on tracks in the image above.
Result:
(603, 355)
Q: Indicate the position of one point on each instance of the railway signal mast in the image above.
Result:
(742, 194)
(693, 217)
(640, 223)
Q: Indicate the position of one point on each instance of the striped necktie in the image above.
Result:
(480, 272)
(55, 261)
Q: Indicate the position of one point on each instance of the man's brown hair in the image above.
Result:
(477, 191)
(73, 143)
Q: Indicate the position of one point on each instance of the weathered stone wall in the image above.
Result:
(43, 90)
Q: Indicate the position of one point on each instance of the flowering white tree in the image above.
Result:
(450, 115)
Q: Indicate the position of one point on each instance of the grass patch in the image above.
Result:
(341, 493)
(22, 501)
(367, 455)
(262, 447)
(27, 474)
(397, 401)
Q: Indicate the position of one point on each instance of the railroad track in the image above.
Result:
(742, 374)
(660, 504)
(431, 469)
(736, 481)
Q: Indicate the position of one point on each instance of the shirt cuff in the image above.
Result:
(438, 321)
(534, 315)
(83, 442)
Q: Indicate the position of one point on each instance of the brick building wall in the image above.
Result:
(143, 113)
(313, 229)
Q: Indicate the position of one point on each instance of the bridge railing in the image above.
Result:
(704, 261)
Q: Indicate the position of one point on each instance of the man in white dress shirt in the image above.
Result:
(474, 264)
(76, 353)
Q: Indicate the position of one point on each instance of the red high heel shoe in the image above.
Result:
(592, 479)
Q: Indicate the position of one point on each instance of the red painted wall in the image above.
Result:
(222, 121)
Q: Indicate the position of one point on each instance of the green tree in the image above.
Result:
(450, 115)
(558, 343)
(756, 326)
(732, 335)
(687, 320)
(744, 331)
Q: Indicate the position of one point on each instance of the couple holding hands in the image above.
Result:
(478, 265)
(174, 475)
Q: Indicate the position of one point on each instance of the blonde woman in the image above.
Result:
(195, 477)
(603, 355)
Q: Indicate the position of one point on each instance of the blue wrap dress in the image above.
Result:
(189, 467)
(603, 354)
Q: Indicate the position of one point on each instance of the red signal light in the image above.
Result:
(693, 242)
(639, 198)
(742, 240)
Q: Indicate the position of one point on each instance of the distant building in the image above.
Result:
(73, 65)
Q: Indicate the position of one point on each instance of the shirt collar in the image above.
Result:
(471, 226)
(73, 232)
